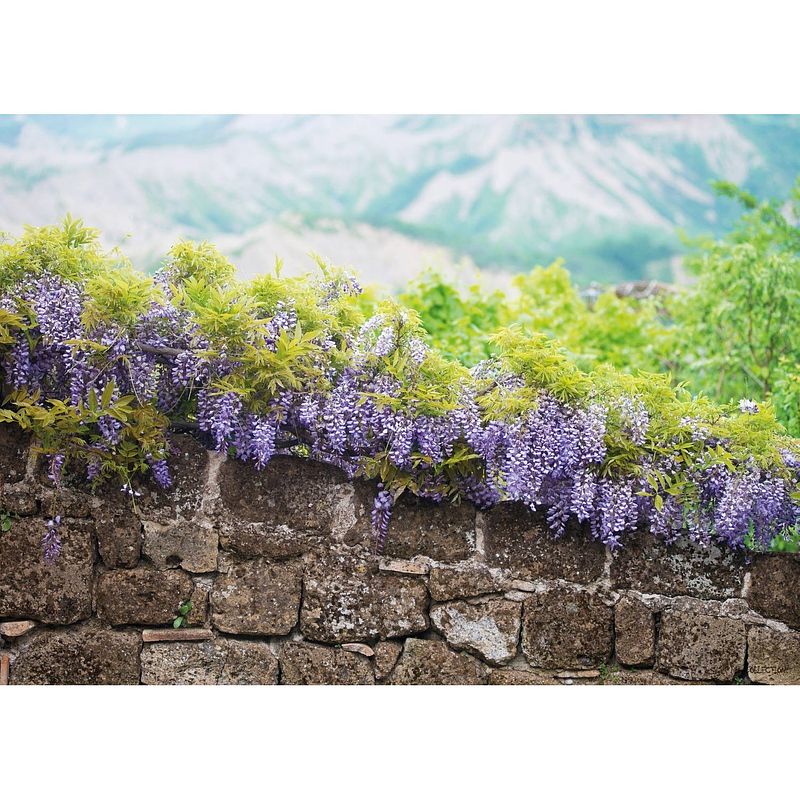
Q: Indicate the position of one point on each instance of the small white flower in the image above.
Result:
(748, 406)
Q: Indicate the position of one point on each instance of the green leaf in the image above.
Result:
(108, 393)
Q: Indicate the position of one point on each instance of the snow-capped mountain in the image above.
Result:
(390, 195)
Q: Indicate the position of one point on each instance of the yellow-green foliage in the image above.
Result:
(545, 333)
(69, 250)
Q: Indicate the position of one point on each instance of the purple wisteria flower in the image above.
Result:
(381, 514)
(161, 473)
(51, 541)
(353, 408)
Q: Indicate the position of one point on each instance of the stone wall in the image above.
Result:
(284, 589)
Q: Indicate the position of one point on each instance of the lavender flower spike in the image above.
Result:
(51, 541)
(381, 514)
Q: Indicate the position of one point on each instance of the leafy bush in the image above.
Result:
(101, 363)
(738, 324)
(731, 334)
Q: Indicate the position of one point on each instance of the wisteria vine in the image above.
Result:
(103, 364)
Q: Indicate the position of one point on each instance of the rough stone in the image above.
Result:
(357, 647)
(468, 579)
(219, 661)
(189, 545)
(19, 499)
(566, 628)
(773, 656)
(198, 615)
(118, 529)
(642, 677)
(177, 635)
(58, 593)
(307, 664)
(430, 662)
(291, 503)
(13, 630)
(188, 465)
(635, 633)
(487, 629)
(14, 444)
(519, 541)
(441, 531)
(648, 565)
(578, 674)
(66, 502)
(518, 677)
(522, 586)
(257, 597)
(262, 540)
(142, 596)
(700, 647)
(386, 655)
(773, 587)
(346, 599)
(404, 566)
(83, 654)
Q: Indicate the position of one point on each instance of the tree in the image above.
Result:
(738, 324)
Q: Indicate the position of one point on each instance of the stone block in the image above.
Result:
(66, 502)
(177, 635)
(648, 565)
(429, 662)
(644, 677)
(83, 654)
(699, 647)
(518, 540)
(20, 499)
(773, 591)
(566, 628)
(773, 656)
(441, 531)
(307, 664)
(188, 466)
(118, 528)
(257, 597)
(14, 445)
(488, 629)
(192, 546)
(262, 540)
(635, 633)
(13, 630)
(467, 579)
(214, 662)
(347, 599)
(59, 593)
(198, 615)
(290, 504)
(518, 677)
(386, 655)
(142, 596)
(402, 566)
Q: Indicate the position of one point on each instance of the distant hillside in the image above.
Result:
(392, 194)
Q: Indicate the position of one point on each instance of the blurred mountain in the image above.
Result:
(390, 195)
